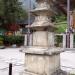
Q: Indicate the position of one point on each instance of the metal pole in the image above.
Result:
(68, 15)
(10, 68)
(68, 25)
(28, 34)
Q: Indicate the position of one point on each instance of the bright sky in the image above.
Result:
(26, 3)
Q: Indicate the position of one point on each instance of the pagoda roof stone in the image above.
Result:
(44, 27)
(47, 11)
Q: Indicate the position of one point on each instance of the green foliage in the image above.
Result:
(14, 40)
(61, 23)
(12, 10)
(62, 26)
(60, 18)
(1, 40)
(19, 40)
(74, 39)
(1, 8)
(7, 40)
(58, 40)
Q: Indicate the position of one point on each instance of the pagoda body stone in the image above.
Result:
(42, 58)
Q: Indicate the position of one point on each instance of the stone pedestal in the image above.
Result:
(42, 61)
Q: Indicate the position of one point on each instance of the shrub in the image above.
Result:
(1, 43)
(19, 40)
(1, 37)
(1, 40)
(58, 40)
(13, 40)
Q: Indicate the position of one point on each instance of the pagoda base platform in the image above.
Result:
(42, 50)
(41, 60)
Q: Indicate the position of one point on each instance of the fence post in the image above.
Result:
(10, 68)
(64, 40)
(25, 40)
(71, 40)
(68, 40)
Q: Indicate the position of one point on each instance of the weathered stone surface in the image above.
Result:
(42, 61)
(51, 39)
(40, 38)
(42, 50)
(58, 72)
(43, 5)
(43, 38)
(42, 64)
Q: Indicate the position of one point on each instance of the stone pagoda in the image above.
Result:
(42, 58)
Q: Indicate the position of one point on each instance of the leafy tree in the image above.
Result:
(12, 10)
(61, 23)
(1, 8)
(60, 18)
(62, 26)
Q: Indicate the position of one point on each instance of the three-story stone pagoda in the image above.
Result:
(42, 58)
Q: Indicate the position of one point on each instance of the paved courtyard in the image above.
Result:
(11, 55)
(17, 58)
(68, 61)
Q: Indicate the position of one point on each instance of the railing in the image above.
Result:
(60, 40)
(64, 40)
